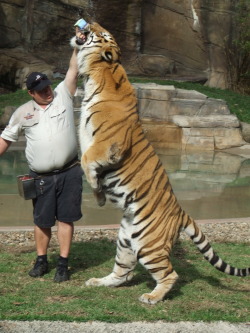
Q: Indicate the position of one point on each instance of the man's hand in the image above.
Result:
(80, 37)
(80, 32)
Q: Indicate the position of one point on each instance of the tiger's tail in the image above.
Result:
(200, 240)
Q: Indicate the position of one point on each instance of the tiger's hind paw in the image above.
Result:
(106, 281)
(111, 280)
(149, 299)
(93, 282)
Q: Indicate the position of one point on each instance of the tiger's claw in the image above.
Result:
(100, 198)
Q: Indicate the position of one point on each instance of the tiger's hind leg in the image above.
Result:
(162, 271)
(125, 261)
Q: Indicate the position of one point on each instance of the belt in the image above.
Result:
(67, 166)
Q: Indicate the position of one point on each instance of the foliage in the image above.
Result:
(16, 98)
(202, 293)
(238, 47)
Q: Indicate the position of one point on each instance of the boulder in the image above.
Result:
(162, 134)
(205, 123)
(245, 131)
(16, 64)
(211, 121)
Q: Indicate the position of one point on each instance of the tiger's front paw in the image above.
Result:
(100, 198)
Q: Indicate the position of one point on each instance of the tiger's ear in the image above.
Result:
(111, 54)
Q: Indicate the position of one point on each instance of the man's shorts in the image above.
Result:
(59, 197)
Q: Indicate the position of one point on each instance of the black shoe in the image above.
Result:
(40, 268)
(62, 273)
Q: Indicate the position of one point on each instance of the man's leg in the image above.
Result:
(42, 239)
(44, 219)
(69, 199)
(64, 233)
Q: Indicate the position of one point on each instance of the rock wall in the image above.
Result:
(202, 123)
(35, 36)
(187, 38)
(179, 39)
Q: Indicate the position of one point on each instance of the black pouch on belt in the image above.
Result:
(26, 186)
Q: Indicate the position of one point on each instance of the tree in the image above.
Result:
(238, 47)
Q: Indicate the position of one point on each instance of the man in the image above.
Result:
(51, 151)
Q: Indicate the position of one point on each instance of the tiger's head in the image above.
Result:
(97, 45)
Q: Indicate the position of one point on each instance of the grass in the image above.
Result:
(16, 98)
(201, 293)
(13, 99)
(238, 104)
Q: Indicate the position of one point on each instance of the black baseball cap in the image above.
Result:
(37, 81)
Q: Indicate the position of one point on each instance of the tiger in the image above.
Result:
(121, 165)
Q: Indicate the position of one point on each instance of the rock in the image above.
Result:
(162, 101)
(17, 64)
(245, 131)
(189, 94)
(214, 106)
(154, 91)
(197, 142)
(156, 65)
(162, 134)
(227, 138)
(206, 123)
(212, 121)
(189, 35)
(171, 39)
(211, 138)
(243, 151)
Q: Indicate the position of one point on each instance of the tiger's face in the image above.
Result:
(98, 42)
(93, 33)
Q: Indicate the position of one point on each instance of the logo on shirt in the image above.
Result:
(29, 116)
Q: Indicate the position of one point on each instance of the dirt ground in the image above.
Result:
(137, 327)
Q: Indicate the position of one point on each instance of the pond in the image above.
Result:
(208, 185)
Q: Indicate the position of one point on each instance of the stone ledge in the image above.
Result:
(205, 123)
(223, 121)
(159, 132)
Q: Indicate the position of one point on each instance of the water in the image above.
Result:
(208, 185)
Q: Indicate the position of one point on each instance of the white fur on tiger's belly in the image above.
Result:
(85, 135)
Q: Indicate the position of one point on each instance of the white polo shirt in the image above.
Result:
(50, 133)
